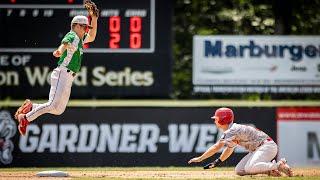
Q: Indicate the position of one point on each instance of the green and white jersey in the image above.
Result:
(72, 56)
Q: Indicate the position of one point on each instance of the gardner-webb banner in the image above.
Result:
(123, 136)
(264, 64)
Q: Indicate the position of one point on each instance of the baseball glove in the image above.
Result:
(214, 164)
(91, 7)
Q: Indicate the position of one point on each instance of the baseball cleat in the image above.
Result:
(284, 167)
(24, 108)
(23, 124)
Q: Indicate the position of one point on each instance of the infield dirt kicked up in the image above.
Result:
(149, 173)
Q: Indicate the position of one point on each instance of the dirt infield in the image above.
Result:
(147, 173)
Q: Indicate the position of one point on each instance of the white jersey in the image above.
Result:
(246, 136)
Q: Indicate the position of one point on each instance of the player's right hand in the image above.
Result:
(193, 160)
(57, 53)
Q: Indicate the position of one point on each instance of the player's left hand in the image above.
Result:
(214, 164)
(91, 8)
(194, 160)
(209, 166)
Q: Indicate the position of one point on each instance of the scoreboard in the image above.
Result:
(131, 34)
(124, 26)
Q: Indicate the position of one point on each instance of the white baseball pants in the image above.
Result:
(61, 82)
(258, 161)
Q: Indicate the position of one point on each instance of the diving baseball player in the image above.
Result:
(70, 56)
(262, 149)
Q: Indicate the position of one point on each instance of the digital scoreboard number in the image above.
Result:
(124, 26)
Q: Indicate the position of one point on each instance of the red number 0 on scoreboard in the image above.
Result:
(135, 32)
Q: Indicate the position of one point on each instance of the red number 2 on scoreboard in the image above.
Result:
(114, 29)
(135, 32)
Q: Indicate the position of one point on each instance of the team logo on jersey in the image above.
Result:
(7, 131)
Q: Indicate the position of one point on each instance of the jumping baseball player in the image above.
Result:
(70, 56)
(262, 149)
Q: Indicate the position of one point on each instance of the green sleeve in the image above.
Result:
(68, 38)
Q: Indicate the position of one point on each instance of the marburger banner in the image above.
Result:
(276, 64)
(120, 136)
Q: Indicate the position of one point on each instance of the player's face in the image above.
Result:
(82, 29)
(216, 119)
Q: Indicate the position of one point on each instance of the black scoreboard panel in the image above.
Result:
(133, 39)
(128, 26)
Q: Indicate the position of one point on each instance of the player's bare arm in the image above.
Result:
(94, 14)
(226, 153)
(210, 152)
(57, 53)
(92, 32)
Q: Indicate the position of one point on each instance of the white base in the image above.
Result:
(52, 174)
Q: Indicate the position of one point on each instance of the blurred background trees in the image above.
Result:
(237, 17)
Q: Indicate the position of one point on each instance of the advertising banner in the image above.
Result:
(99, 77)
(275, 64)
(299, 135)
(120, 136)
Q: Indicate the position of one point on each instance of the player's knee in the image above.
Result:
(60, 110)
(240, 172)
(56, 109)
(249, 169)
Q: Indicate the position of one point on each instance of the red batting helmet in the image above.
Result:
(225, 116)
